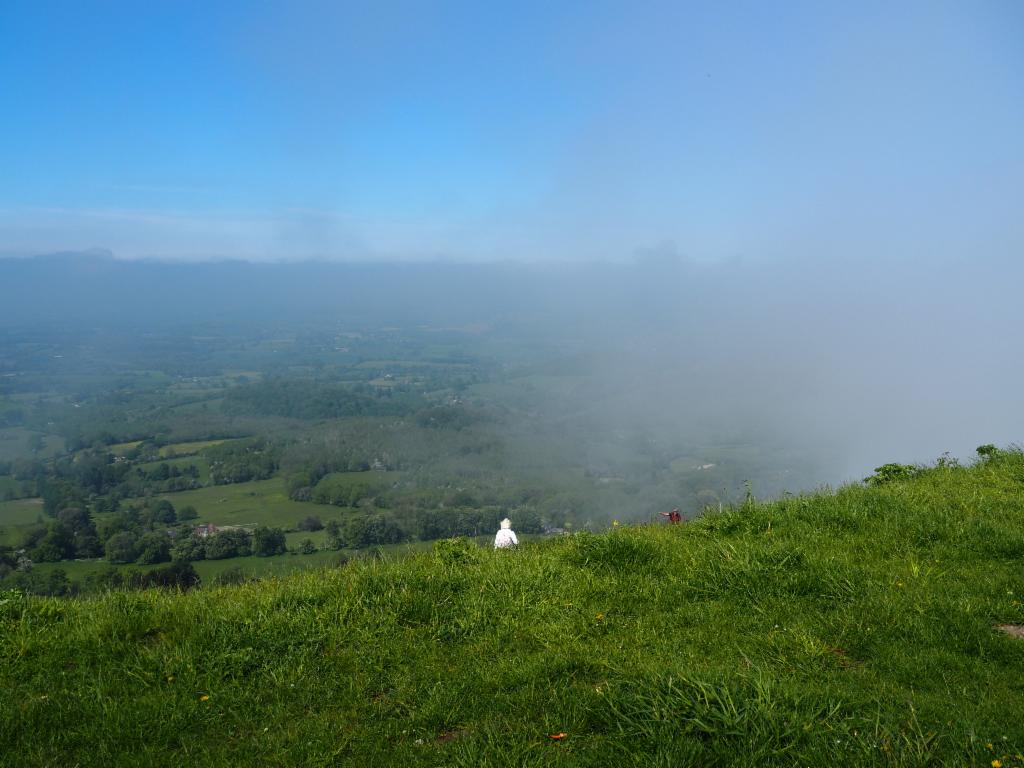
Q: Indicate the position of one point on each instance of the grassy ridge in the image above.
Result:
(846, 628)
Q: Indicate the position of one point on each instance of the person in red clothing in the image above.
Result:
(673, 516)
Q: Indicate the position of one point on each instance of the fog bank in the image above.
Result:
(857, 363)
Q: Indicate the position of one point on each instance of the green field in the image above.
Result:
(119, 449)
(263, 502)
(264, 567)
(17, 515)
(187, 449)
(21, 443)
(862, 627)
(8, 485)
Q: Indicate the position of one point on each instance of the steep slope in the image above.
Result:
(855, 627)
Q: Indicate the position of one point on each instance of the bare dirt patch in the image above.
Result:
(1013, 630)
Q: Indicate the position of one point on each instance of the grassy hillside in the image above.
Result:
(847, 628)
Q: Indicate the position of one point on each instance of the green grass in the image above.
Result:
(262, 502)
(252, 567)
(8, 484)
(847, 628)
(188, 449)
(18, 443)
(15, 517)
(119, 449)
(264, 567)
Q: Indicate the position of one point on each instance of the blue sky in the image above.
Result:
(537, 131)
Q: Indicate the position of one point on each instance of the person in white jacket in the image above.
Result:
(505, 537)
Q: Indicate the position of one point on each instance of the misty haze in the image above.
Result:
(323, 313)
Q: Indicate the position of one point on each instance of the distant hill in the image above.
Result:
(855, 627)
(93, 287)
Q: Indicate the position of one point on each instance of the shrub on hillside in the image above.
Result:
(457, 550)
(888, 473)
(987, 451)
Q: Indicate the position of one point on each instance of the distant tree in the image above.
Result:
(303, 493)
(58, 543)
(334, 535)
(187, 548)
(154, 548)
(122, 547)
(163, 512)
(267, 542)
(307, 547)
(75, 517)
(527, 521)
(241, 461)
(368, 531)
(31, 537)
(311, 523)
(233, 543)
(187, 512)
(60, 494)
(87, 545)
(126, 519)
(300, 486)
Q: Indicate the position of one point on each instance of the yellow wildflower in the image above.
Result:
(204, 697)
(997, 764)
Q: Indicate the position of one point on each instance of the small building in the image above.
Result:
(207, 529)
